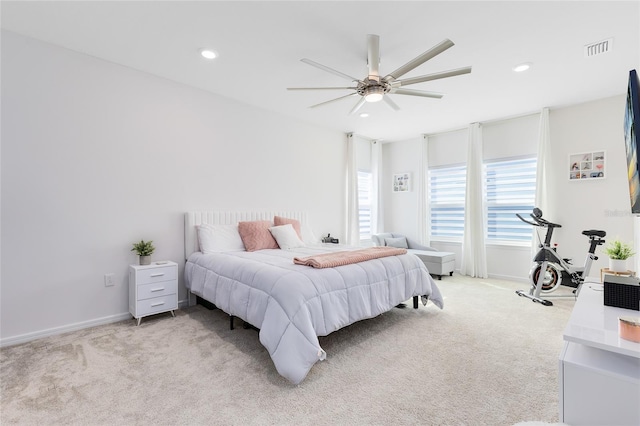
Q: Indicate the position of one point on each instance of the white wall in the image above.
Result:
(592, 204)
(96, 156)
(400, 207)
(602, 204)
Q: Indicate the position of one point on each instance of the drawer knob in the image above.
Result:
(153, 305)
(158, 274)
(157, 289)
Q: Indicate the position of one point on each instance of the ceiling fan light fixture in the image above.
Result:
(374, 87)
(374, 93)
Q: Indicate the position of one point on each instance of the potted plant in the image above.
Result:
(618, 253)
(144, 249)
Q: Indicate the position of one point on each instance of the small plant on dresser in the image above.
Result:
(618, 253)
(144, 249)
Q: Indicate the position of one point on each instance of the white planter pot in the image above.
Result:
(617, 265)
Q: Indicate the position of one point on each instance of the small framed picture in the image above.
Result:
(587, 166)
(402, 182)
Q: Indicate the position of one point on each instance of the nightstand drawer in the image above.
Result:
(163, 288)
(156, 305)
(152, 275)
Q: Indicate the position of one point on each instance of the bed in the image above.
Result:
(293, 304)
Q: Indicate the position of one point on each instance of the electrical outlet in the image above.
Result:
(109, 280)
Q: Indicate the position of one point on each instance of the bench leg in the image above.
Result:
(415, 302)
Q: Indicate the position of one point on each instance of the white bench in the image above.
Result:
(438, 263)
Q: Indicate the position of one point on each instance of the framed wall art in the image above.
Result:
(402, 182)
(587, 166)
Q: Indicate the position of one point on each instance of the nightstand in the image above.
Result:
(153, 289)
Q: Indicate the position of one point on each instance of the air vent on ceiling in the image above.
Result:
(598, 48)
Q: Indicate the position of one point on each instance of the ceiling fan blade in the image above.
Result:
(321, 88)
(418, 93)
(327, 69)
(390, 102)
(435, 76)
(436, 50)
(373, 54)
(357, 106)
(332, 100)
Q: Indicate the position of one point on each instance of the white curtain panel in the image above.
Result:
(542, 164)
(353, 224)
(377, 219)
(423, 192)
(474, 256)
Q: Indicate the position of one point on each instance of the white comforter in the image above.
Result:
(294, 304)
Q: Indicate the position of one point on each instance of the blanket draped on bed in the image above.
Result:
(340, 258)
(294, 304)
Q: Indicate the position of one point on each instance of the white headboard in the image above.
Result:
(193, 219)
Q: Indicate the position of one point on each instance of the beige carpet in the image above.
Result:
(489, 358)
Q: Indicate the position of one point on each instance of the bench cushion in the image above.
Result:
(434, 256)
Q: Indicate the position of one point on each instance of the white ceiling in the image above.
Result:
(261, 43)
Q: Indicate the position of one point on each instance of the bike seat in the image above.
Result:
(594, 233)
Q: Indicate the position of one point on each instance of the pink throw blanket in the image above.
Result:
(339, 258)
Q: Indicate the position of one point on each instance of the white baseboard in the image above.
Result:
(28, 337)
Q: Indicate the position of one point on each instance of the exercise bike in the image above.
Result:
(558, 271)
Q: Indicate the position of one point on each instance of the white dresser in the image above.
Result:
(153, 289)
(599, 372)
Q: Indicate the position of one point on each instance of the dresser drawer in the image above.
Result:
(163, 288)
(156, 305)
(152, 275)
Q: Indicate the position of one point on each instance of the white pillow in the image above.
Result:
(400, 242)
(219, 238)
(286, 237)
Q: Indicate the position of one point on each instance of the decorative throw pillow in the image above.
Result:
(256, 236)
(400, 242)
(279, 221)
(219, 238)
(286, 237)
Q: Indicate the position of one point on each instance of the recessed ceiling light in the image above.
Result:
(522, 67)
(364, 115)
(208, 54)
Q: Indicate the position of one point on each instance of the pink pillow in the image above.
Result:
(279, 221)
(256, 236)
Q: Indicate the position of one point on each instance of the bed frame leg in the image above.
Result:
(415, 302)
(205, 303)
(231, 322)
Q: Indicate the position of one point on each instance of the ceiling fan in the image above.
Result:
(374, 88)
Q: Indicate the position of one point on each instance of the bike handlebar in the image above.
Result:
(539, 221)
(525, 220)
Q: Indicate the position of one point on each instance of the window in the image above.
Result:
(511, 189)
(447, 188)
(364, 203)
